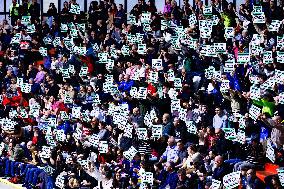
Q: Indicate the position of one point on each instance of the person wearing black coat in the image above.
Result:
(221, 169)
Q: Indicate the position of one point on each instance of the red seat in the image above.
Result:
(269, 169)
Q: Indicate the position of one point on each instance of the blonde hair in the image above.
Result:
(73, 183)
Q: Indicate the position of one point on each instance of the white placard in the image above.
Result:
(142, 93)
(147, 177)
(225, 86)
(229, 32)
(103, 147)
(142, 133)
(280, 172)
(158, 64)
(191, 127)
(231, 180)
(254, 111)
(270, 154)
(46, 152)
(216, 184)
(130, 153)
(157, 131)
(76, 112)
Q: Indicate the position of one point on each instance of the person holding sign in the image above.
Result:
(267, 103)
(277, 133)
(180, 130)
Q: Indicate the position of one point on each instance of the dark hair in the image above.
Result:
(102, 123)
(108, 174)
(182, 171)
(134, 180)
(159, 166)
(193, 148)
(172, 164)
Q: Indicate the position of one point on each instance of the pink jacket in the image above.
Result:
(236, 52)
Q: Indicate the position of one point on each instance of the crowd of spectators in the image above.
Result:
(187, 98)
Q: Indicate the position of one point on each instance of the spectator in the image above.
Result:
(40, 75)
(180, 130)
(133, 183)
(52, 13)
(181, 154)
(193, 157)
(159, 175)
(276, 133)
(253, 180)
(167, 8)
(34, 9)
(220, 119)
(64, 14)
(183, 181)
(168, 125)
(137, 118)
(253, 154)
(172, 177)
(120, 15)
(171, 153)
(126, 84)
(14, 12)
(221, 168)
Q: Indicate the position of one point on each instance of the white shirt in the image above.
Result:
(26, 37)
(171, 154)
(106, 184)
(98, 113)
(141, 72)
(192, 158)
(53, 65)
(219, 121)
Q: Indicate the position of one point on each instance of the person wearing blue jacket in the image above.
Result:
(172, 177)
(168, 129)
(126, 84)
(65, 126)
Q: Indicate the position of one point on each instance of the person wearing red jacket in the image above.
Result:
(17, 100)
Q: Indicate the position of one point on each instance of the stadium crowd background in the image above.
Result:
(190, 97)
